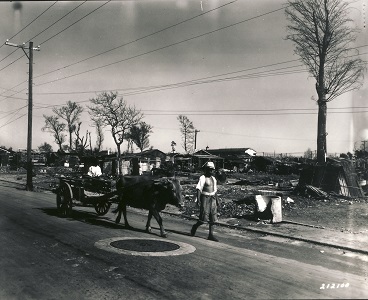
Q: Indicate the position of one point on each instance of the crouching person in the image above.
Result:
(208, 201)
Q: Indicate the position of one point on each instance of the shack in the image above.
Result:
(336, 175)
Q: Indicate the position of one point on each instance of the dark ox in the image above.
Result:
(146, 193)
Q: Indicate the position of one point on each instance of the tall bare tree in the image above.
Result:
(187, 132)
(323, 34)
(116, 114)
(71, 113)
(139, 134)
(56, 128)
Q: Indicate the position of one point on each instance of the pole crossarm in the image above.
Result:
(22, 46)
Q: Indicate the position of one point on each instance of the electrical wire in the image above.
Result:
(175, 85)
(148, 89)
(161, 48)
(39, 34)
(57, 21)
(136, 40)
(18, 98)
(9, 55)
(31, 22)
(10, 115)
(192, 81)
(252, 114)
(167, 85)
(241, 112)
(52, 25)
(75, 22)
(10, 112)
(11, 64)
(13, 120)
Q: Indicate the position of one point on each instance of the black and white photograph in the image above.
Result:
(184, 149)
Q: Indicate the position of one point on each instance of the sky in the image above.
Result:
(226, 65)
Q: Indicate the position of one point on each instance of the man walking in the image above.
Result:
(208, 200)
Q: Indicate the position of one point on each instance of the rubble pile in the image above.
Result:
(237, 195)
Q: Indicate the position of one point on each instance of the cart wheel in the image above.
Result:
(64, 200)
(102, 207)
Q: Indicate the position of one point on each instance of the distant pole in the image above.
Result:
(195, 138)
(29, 185)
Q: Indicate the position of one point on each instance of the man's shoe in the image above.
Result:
(212, 238)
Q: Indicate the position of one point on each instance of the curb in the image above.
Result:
(308, 240)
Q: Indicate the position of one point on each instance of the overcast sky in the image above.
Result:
(240, 82)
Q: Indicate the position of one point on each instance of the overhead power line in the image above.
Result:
(161, 48)
(8, 56)
(11, 113)
(235, 112)
(138, 90)
(75, 22)
(253, 114)
(57, 21)
(13, 120)
(31, 22)
(55, 34)
(149, 89)
(251, 110)
(10, 65)
(136, 40)
(173, 84)
(162, 87)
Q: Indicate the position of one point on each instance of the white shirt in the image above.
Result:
(94, 171)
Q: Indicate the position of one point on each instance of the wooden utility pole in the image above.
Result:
(195, 138)
(29, 185)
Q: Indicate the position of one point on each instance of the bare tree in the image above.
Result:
(99, 131)
(81, 141)
(116, 114)
(139, 134)
(187, 132)
(323, 35)
(70, 113)
(53, 125)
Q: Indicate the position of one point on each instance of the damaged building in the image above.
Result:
(237, 159)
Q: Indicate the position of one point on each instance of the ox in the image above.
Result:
(144, 192)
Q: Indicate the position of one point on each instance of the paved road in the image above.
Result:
(44, 256)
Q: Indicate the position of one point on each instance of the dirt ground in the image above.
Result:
(342, 214)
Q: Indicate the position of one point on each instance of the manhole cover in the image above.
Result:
(144, 246)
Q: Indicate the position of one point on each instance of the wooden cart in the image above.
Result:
(85, 191)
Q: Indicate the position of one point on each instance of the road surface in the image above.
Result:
(44, 256)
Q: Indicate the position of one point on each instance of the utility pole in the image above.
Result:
(195, 138)
(29, 185)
